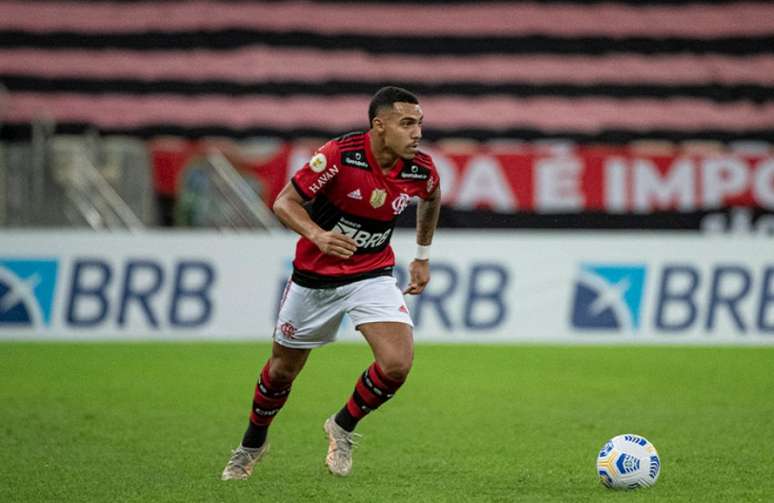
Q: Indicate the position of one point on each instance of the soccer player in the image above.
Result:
(344, 203)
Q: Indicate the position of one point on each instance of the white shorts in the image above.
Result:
(310, 317)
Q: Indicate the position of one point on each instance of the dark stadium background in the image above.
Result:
(518, 80)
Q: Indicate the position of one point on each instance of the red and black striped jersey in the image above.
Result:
(348, 191)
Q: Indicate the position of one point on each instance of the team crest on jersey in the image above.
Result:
(378, 197)
(399, 203)
(318, 162)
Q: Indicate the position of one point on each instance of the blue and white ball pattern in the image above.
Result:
(628, 462)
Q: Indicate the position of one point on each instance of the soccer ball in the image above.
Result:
(628, 462)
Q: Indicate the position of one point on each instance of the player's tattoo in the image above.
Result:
(427, 217)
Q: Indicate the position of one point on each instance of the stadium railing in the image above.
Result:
(215, 194)
(90, 199)
(82, 181)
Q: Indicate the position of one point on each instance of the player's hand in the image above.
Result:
(419, 270)
(335, 244)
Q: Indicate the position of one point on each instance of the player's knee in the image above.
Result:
(282, 376)
(396, 369)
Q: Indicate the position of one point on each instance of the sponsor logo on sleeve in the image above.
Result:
(323, 179)
(318, 162)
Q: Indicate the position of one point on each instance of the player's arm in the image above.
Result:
(427, 219)
(289, 208)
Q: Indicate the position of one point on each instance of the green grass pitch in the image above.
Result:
(156, 422)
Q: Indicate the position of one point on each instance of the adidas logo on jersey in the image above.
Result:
(355, 194)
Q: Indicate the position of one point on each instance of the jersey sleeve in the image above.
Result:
(318, 173)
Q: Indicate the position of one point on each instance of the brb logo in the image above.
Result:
(471, 297)
(85, 293)
(608, 297)
(727, 298)
(27, 292)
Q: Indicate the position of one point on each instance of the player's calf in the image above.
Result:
(372, 389)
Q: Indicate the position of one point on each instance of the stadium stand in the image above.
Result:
(669, 78)
(589, 71)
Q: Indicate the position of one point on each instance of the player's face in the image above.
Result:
(403, 129)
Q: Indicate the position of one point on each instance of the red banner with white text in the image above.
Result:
(529, 180)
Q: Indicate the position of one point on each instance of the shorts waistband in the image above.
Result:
(311, 280)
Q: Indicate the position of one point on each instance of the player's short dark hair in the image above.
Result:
(386, 96)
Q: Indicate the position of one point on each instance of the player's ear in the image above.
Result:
(377, 124)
